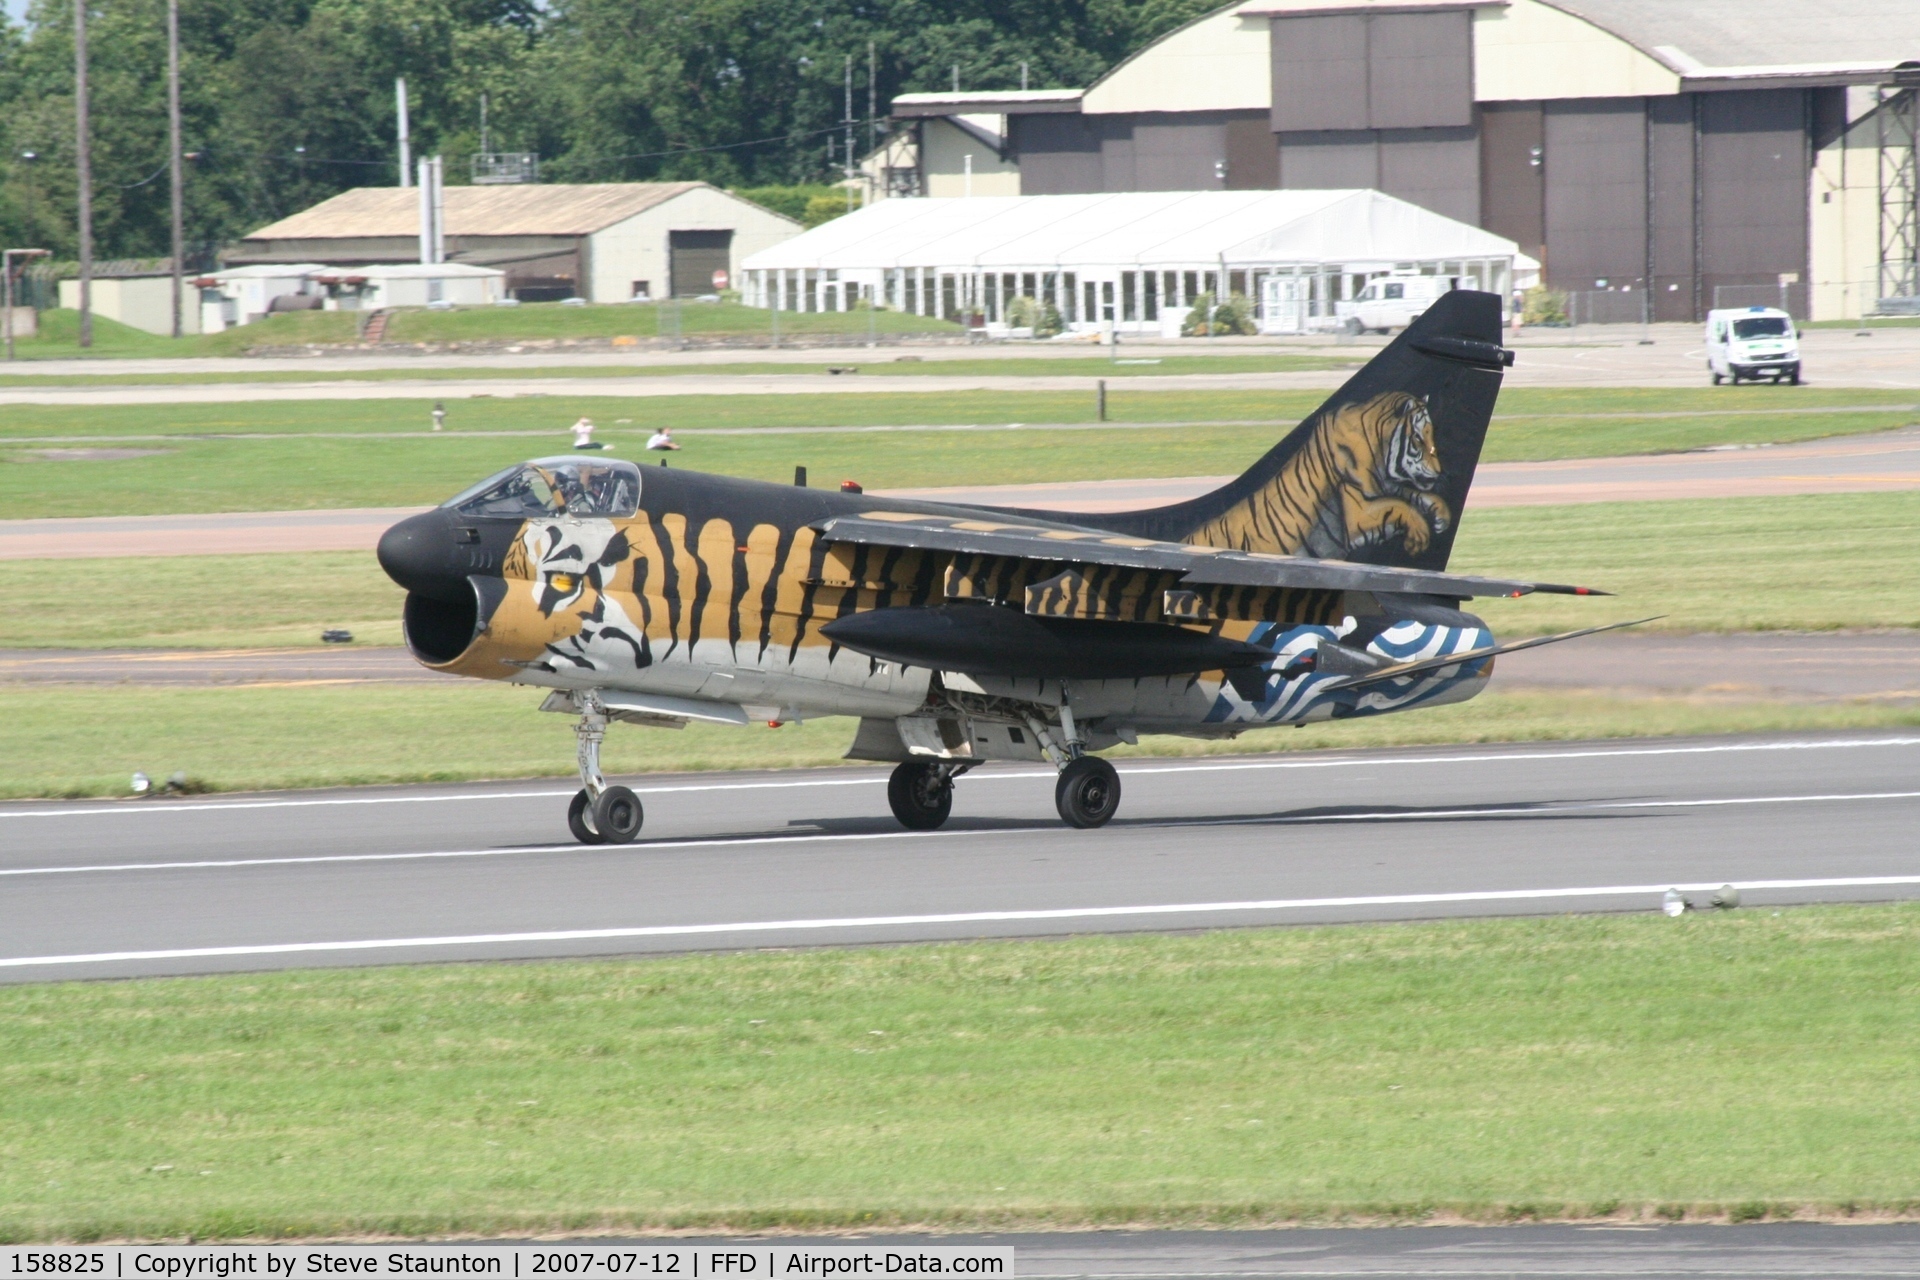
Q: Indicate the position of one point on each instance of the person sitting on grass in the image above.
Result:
(583, 435)
(662, 440)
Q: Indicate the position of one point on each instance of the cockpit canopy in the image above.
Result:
(583, 488)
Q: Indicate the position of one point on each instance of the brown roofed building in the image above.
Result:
(605, 242)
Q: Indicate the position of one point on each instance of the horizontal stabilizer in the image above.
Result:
(1403, 669)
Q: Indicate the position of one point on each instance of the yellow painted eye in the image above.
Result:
(563, 583)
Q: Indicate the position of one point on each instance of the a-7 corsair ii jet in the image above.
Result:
(1310, 588)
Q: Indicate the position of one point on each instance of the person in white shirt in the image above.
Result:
(583, 434)
(662, 440)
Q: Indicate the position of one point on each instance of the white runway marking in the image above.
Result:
(1226, 766)
(959, 917)
(1544, 810)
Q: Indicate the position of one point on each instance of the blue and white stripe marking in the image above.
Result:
(1307, 697)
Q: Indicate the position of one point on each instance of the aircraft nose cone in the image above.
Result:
(420, 554)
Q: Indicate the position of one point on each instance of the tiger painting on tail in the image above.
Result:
(1364, 477)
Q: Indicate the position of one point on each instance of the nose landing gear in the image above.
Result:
(598, 813)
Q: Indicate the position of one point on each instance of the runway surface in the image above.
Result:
(1883, 665)
(1594, 356)
(1666, 1252)
(103, 889)
(1877, 462)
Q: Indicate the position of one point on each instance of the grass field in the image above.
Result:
(1814, 562)
(884, 365)
(380, 453)
(1740, 1066)
(59, 334)
(205, 602)
(1730, 564)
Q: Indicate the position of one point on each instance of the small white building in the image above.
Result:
(605, 242)
(1123, 260)
(136, 293)
(243, 295)
(411, 284)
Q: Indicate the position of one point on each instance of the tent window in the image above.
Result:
(1129, 295)
(949, 299)
(1149, 300)
(1190, 286)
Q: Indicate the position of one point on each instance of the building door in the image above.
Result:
(695, 256)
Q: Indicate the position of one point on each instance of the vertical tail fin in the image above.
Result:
(1379, 474)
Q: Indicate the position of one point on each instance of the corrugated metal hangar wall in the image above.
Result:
(1623, 188)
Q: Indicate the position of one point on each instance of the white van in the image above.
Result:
(1393, 302)
(1752, 342)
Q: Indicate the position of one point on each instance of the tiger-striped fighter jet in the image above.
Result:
(1313, 587)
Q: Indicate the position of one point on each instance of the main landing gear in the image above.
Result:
(1087, 793)
(921, 793)
(598, 813)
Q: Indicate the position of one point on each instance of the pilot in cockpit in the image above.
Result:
(573, 487)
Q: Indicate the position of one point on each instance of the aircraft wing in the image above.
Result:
(1199, 566)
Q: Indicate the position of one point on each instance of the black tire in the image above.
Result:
(1793, 379)
(617, 815)
(1088, 793)
(1717, 379)
(1354, 327)
(580, 820)
(920, 794)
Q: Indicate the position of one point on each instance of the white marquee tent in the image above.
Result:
(1122, 259)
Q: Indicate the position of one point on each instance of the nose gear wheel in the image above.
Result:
(617, 815)
(580, 819)
(598, 813)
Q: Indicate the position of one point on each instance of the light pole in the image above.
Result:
(27, 159)
(174, 164)
(83, 165)
(6, 269)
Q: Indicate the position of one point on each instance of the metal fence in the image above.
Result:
(1608, 306)
(1790, 298)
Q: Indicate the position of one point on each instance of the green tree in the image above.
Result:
(289, 101)
(284, 102)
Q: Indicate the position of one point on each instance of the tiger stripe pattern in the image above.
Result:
(1364, 477)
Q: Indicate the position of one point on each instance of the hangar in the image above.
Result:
(605, 242)
(1678, 148)
(1122, 259)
